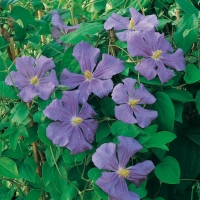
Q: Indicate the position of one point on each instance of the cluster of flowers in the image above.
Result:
(74, 125)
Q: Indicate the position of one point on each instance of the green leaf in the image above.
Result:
(190, 23)
(5, 3)
(49, 156)
(166, 112)
(121, 129)
(107, 106)
(160, 139)
(103, 131)
(7, 91)
(187, 7)
(42, 133)
(70, 192)
(168, 171)
(81, 33)
(178, 106)
(33, 194)
(162, 23)
(6, 193)
(8, 168)
(39, 117)
(198, 101)
(180, 95)
(47, 173)
(141, 190)
(192, 74)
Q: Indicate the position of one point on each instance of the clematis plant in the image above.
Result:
(31, 78)
(113, 182)
(137, 22)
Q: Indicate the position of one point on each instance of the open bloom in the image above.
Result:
(154, 48)
(137, 22)
(30, 78)
(96, 80)
(74, 127)
(128, 99)
(59, 28)
(113, 182)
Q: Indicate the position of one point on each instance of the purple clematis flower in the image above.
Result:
(113, 182)
(138, 22)
(154, 48)
(128, 97)
(96, 80)
(31, 80)
(74, 127)
(59, 28)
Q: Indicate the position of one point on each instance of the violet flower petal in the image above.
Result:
(137, 17)
(57, 21)
(144, 117)
(105, 157)
(86, 55)
(123, 36)
(56, 33)
(125, 113)
(87, 111)
(119, 94)
(126, 149)
(86, 87)
(129, 84)
(28, 93)
(108, 67)
(51, 77)
(139, 172)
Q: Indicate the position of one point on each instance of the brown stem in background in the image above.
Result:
(177, 15)
(12, 48)
(43, 39)
(112, 40)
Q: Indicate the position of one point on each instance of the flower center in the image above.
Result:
(77, 120)
(133, 102)
(124, 173)
(131, 23)
(88, 75)
(157, 54)
(34, 80)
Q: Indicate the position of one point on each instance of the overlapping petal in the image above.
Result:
(28, 93)
(119, 94)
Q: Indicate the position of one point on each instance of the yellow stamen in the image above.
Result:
(124, 173)
(133, 102)
(77, 120)
(157, 54)
(34, 80)
(88, 75)
(131, 23)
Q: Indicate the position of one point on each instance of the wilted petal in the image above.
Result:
(137, 45)
(101, 87)
(117, 22)
(129, 84)
(71, 80)
(56, 111)
(144, 96)
(119, 94)
(77, 143)
(125, 114)
(126, 149)
(147, 68)
(59, 133)
(28, 93)
(86, 55)
(144, 117)
(25, 65)
(175, 60)
(164, 73)
(139, 172)
(89, 128)
(43, 64)
(19, 80)
(108, 67)
(105, 157)
(86, 111)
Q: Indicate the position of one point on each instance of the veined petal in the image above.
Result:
(117, 22)
(144, 96)
(77, 143)
(51, 77)
(87, 111)
(129, 84)
(137, 45)
(71, 80)
(144, 117)
(164, 73)
(152, 19)
(19, 80)
(119, 94)
(105, 157)
(125, 114)
(56, 33)
(59, 133)
(123, 36)
(56, 111)
(126, 149)
(175, 60)
(86, 55)
(139, 172)
(25, 65)
(108, 67)
(147, 68)
(28, 92)
(86, 87)
(57, 21)
(43, 64)
(69, 29)
(101, 87)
